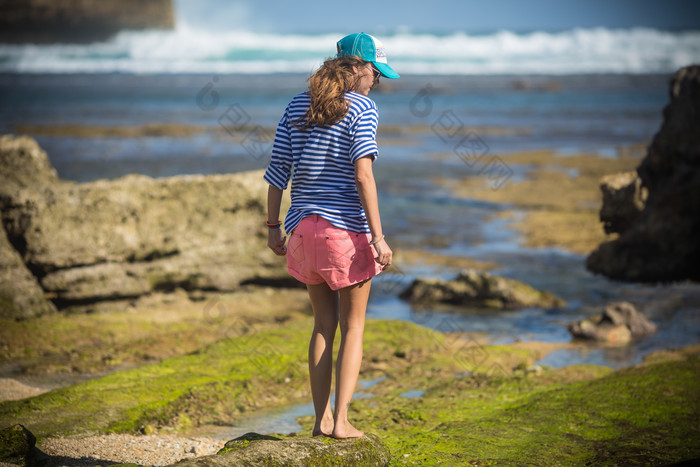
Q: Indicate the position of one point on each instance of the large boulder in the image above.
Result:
(120, 239)
(659, 242)
(253, 449)
(479, 289)
(134, 235)
(25, 168)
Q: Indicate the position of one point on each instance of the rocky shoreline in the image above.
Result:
(191, 322)
(491, 412)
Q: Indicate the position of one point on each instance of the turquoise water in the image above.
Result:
(241, 48)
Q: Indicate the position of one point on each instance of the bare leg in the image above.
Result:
(324, 302)
(353, 305)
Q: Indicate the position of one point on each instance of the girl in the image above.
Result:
(326, 138)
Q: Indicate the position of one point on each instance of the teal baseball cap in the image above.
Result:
(369, 49)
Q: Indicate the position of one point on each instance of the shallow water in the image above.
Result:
(281, 420)
(675, 308)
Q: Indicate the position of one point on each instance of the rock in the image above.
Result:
(124, 238)
(25, 166)
(21, 296)
(479, 289)
(253, 449)
(624, 313)
(660, 242)
(16, 445)
(623, 200)
(619, 324)
(39, 21)
(148, 429)
(140, 235)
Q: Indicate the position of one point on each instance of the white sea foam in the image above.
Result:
(186, 50)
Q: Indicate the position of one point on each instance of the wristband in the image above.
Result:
(374, 242)
(274, 225)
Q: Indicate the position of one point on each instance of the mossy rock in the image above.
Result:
(578, 415)
(253, 449)
(16, 444)
(479, 289)
(244, 441)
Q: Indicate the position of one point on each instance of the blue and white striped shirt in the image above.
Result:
(322, 160)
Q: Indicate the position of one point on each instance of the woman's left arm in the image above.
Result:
(367, 189)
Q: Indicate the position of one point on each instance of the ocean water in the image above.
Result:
(189, 50)
(591, 91)
(590, 113)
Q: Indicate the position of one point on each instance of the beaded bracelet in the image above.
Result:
(374, 242)
(273, 225)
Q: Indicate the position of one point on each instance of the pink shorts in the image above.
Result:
(318, 252)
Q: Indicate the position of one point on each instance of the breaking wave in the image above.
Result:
(187, 50)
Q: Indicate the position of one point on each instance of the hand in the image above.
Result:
(275, 241)
(384, 253)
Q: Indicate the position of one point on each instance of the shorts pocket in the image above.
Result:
(295, 248)
(341, 250)
(364, 257)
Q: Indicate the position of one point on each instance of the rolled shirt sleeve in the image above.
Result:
(363, 132)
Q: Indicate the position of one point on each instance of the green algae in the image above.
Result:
(244, 441)
(16, 445)
(473, 414)
(213, 385)
(646, 415)
(166, 393)
(124, 335)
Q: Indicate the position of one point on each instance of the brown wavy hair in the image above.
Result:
(327, 88)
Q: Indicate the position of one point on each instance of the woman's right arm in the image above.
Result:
(277, 176)
(367, 189)
(274, 236)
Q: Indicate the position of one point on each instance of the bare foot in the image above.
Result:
(321, 432)
(346, 430)
(325, 428)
